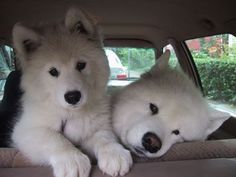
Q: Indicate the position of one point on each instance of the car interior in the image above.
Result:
(191, 30)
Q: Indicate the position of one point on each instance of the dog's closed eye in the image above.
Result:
(154, 109)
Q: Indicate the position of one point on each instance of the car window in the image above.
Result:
(127, 64)
(7, 64)
(215, 59)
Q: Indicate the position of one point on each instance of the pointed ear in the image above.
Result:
(162, 62)
(25, 40)
(78, 21)
(217, 118)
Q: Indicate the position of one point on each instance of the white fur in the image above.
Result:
(181, 107)
(87, 124)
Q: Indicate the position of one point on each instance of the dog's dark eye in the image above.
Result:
(154, 109)
(176, 132)
(80, 66)
(54, 72)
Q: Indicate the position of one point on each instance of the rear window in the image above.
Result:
(127, 64)
(215, 59)
(7, 64)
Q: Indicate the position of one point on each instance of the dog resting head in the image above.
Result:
(162, 108)
(62, 63)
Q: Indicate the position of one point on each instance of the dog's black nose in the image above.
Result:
(72, 97)
(151, 142)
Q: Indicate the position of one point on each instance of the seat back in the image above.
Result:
(9, 107)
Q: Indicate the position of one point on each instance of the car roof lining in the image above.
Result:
(136, 43)
(151, 20)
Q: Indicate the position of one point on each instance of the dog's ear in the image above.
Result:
(161, 63)
(25, 40)
(78, 21)
(163, 60)
(217, 118)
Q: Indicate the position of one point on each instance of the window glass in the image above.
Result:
(215, 59)
(127, 64)
(7, 64)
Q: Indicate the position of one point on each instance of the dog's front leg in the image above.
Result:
(112, 157)
(47, 146)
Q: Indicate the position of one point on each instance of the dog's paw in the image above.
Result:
(114, 160)
(71, 164)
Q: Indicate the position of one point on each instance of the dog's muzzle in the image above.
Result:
(151, 142)
(73, 97)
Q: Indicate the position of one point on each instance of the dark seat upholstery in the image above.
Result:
(9, 107)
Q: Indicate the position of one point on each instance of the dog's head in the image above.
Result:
(63, 62)
(160, 109)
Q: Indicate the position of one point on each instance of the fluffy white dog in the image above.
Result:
(160, 109)
(65, 74)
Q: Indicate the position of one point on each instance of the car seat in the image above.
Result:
(9, 107)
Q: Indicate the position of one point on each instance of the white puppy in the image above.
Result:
(64, 106)
(160, 109)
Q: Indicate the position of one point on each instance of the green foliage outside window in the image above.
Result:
(216, 65)
(218, 79)
(136, 59)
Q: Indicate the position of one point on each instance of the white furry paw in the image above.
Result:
(114, 160)
(71, 164)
